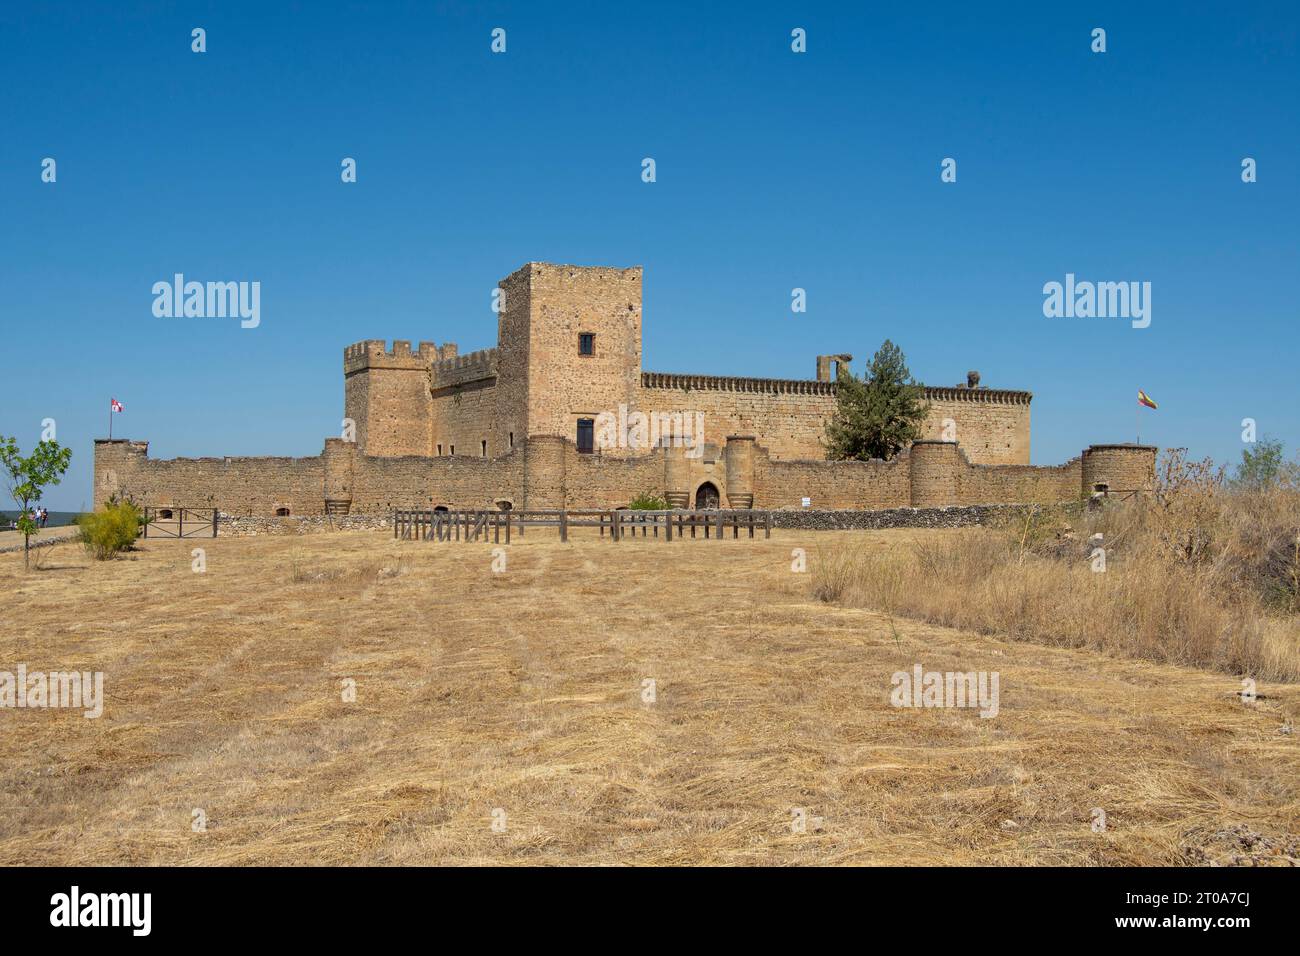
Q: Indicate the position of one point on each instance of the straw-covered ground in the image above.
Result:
(506, 717)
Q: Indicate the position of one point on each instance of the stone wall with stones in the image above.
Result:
(788, 416)
(812, 519)
(250, 485)
(549, 472)
(244, 525)
(831, 484)
(955, 517)
(598, 481)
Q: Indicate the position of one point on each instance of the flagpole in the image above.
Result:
(110, 420)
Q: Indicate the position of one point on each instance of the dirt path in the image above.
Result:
(14, 539)
(525, 692)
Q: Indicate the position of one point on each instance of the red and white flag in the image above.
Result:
(116, 405)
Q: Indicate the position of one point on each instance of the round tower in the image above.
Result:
(1119, 469)
(934, 467)
(677, 476)
(544, 472)
(740, 471)
(339, 456)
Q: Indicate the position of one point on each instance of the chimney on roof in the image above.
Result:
(824, 366)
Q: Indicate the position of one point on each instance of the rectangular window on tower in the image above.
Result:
(586, 343)
(586, 435)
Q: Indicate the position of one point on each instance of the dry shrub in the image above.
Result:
(111, 530)
(1195, 574)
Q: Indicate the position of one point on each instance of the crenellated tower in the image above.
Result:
(386, 393)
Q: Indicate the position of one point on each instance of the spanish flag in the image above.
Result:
(1145, 399)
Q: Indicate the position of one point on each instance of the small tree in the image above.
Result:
(1264, 466)
(879, 416)
(27, 478)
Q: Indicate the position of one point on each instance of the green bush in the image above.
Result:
(105, 533)
(648, 502)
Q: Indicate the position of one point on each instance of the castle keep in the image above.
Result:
(515, 426)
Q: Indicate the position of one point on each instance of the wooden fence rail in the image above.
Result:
(427, 525)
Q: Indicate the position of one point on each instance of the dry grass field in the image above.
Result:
(522, 691)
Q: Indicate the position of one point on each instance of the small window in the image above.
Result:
(440, 450)
(586, 343)
(483, 446)
(166, 513)
(512, 439)
(453, 450)
(586, 435)
(282, 512)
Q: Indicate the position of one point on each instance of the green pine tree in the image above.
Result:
(879, 416)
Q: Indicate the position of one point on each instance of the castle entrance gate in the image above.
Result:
(707, 497)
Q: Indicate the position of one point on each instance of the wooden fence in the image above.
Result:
(425, 525)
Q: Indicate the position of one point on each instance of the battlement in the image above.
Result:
(569, 270)
(731, 383)
(460, 369)
(373, 353)
(799, 386)
(963, 393)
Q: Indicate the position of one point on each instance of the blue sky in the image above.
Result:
(775, 170)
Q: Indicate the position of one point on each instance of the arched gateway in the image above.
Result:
(706, 496)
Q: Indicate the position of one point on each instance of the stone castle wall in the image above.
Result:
(549, 472)
(789, 415)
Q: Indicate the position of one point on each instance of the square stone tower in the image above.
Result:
(386, 393)
(569, 341)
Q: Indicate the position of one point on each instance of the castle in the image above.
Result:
(515, 426)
